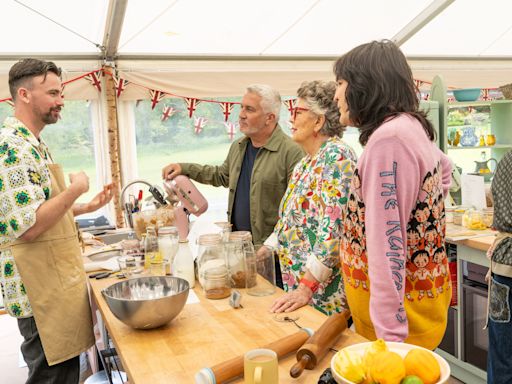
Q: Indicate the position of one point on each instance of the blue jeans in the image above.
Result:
(499, 358)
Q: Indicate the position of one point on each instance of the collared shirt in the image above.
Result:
(310, 223)
(24, 185)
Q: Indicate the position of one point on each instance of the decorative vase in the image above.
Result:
(469, 137)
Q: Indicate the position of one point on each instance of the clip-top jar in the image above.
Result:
(210, 255)
(240, 253)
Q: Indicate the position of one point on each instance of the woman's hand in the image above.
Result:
(292, 300)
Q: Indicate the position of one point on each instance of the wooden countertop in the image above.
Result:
(208, 333)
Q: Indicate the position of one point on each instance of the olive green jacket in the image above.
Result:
(272, 169)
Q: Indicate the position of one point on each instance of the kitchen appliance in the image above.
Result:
(475, 342)
(182, 194)
(191, 201)
(317, 345)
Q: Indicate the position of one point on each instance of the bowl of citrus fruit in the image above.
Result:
(381, 362)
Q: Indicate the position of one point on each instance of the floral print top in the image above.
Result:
(24, 186)
(309, 227)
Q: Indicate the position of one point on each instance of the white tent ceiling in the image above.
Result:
(467, 41)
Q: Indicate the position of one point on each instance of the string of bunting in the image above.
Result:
(156, 96)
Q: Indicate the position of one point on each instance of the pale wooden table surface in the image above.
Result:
(205, 334)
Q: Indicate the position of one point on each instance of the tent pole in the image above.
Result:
(113, 142)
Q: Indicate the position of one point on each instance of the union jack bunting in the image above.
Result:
(120, 85)
(231, 129)
(192, 104)
(167, 112)
(62, 90)
(156, 97)
(95, 79)
(484, 94)
(199, 123)
(290, 104)
(227, 108)
(418, 83)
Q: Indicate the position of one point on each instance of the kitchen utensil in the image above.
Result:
(482, 167)
(230, 369)
(468, 94)
(317, 345)
(147, 302)
(400, 348)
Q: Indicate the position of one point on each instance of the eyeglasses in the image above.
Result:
(296, 109)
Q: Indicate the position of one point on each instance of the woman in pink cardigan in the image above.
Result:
(392, 242)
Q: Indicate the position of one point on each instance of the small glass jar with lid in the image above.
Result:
(210, 254)
(216, 283)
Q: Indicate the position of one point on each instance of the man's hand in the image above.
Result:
(102, 197)
(292, 300)
(79, 182)
(170, 171)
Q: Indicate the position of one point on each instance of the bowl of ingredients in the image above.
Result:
(388, 362)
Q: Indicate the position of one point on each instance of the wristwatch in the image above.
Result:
(313, 285)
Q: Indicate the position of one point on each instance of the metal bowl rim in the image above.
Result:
(104, 291)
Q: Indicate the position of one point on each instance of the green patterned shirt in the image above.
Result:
(24, 186)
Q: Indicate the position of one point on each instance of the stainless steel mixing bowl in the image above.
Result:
(147, 302)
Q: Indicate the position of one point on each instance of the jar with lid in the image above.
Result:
(240, 253)
(168, 245)
(210, 255)
(152, 257)
(216, 283)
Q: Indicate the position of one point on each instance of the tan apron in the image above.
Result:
(52, 272)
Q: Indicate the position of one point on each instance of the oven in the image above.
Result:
(474, 295)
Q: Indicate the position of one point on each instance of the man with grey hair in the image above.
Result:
(257, 167)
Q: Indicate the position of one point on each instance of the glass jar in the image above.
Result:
(152, 257)
(168, 245)
(216, 283)
(240, 253)
(473, 219)
(488, 216)
(210, 254)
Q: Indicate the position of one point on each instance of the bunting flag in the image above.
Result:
(231, 129)
(95, 79)
(484, 94)
(290, 104)
(156, 97)
(199, 123)
(62, 90)
(10, 102)
(227, 108)
(418, 83)
(192, 104)
(119, 84)
(167, 112)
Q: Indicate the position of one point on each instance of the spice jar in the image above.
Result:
(216, 284)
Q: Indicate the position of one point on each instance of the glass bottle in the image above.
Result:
(183, 265)
(168, 245)
(153, 258)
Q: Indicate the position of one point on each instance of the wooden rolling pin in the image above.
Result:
(317, 345)
(235, 367)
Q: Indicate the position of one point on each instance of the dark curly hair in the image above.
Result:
(319, 96)
(380, 86)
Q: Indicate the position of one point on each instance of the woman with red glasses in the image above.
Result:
(309, 229)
